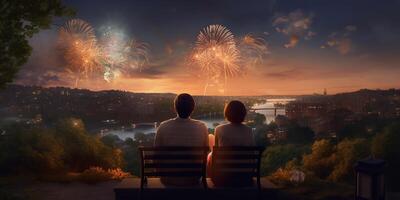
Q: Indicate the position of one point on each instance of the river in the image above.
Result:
(211, 122)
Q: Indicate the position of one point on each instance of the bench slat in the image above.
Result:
(174, 165)
(235, 165)
(175, 174)
(235, 173)
(239, 148)
(174, 157)
(174, 148)
(237, 156)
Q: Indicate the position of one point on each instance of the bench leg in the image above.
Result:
(143, 181)
(204, 180)
(259, 194)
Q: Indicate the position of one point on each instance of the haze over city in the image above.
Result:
(199, 99)
(307, 46)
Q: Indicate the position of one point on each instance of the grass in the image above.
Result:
(317, 189)
(15, 188)
(92, 175)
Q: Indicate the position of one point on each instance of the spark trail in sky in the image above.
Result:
(121, 54)
(77, 42)
(113, 55)
(216, 53)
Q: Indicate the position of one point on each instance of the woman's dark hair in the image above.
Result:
(184, 105)
(235, 112)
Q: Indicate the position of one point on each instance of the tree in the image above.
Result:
(29, 150)
(111, 140)
(322, 158)
(260, 133)
(348, 152)
(299, 135)
(386, 146)
(19, 21)
(259, 119)
(82, 150)
(278, 156)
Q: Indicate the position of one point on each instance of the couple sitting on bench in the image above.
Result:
(186, 132)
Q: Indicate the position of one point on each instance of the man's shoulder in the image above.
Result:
(221, 126)
(198, 122)
(166, 122)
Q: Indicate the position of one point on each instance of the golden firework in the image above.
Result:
(77, 41)
(216, 53)
(120, 55)
(252, 48)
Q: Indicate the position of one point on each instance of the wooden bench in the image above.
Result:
(161, 162)
(129, 189)
(173, 162)
(236, 162)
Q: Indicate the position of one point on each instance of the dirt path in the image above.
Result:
(75, 191)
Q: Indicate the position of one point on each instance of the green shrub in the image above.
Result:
(83, 150)
(386, 146)
(98, 174)
(29, 150)
(277, 156)
(322, 158)
(349, 151)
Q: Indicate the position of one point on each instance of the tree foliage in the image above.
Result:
(19, 21)
(278, 155)
(66, 147)
(29, 150)
(348, 153)
(82, 150)
(386, 146)
(335, 162)
(299, 135)
(322, 158)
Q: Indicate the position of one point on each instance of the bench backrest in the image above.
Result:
(173, 161)
(237, 161)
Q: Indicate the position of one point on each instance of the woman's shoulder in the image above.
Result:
(223, 126)
(230, 126)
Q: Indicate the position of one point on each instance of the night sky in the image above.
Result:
(340, 45)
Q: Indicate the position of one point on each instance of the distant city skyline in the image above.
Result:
(340, 45)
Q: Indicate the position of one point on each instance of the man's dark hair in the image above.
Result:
(235, 112)
(184, 105)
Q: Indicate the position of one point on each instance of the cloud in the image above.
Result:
(294, 39)
(151, 72)
(350, 28)
(45, 63)
(341, 41)
(284, 74)
(296, 25)
(344, 46)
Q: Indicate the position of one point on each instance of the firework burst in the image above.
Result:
(112, 56)
(216, 53)
(136, 55)
(121, 55)
(253, 49)
(77, 41)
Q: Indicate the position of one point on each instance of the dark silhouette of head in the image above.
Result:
(235, 112)
(184, 105)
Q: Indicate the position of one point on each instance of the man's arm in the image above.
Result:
(216, 136)
(206, 142)
(158, 137)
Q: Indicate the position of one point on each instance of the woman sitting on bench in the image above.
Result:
(234, 133)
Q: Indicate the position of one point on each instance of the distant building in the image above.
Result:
(299, 110)
(277, 136)
(145, 108)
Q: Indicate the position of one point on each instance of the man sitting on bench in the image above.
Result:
(182, 131)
